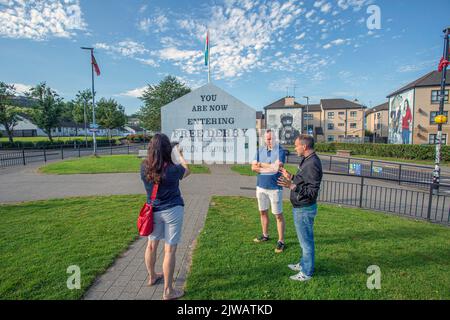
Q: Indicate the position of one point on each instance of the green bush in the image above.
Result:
(401, 151)
(138, 138)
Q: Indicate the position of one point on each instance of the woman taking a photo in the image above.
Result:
(168, 209)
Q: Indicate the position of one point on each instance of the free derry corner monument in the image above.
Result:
(211, 126)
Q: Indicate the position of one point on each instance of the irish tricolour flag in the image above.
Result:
(207, 48)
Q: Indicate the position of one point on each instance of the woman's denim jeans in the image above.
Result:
(304, 225)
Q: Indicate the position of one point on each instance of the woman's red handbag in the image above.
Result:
(145, 219)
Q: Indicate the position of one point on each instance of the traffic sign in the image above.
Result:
(93, 125)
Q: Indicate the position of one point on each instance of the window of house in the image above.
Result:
(341, 124)
(433, 115)
(330, 115)
(353, 114)
(378, 115)
(432, 138)
(353, 125)
(435, 96)
(331, 126)
(341, 113)
(308, 116)
(330, 138)
(378, 126)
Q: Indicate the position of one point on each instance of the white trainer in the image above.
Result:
(295, 267)
(300, 277)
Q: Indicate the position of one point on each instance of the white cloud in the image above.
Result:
(156, 24)
(337, 42)
(134, 93)
(127, 48)
(282, 85)
(300, 36)
(417, 66)
(22, 88)
(149, 62)
(40, 19)
(326, 8)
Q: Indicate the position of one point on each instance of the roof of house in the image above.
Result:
(259, 115)
(332, 104)
(381, 107)
(280, 104)
(313, 108)
(431, 79)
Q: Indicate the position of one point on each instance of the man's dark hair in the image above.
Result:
(306, 140)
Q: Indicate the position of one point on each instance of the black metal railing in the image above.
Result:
(401, 173)
(364, 192)
(25, 156)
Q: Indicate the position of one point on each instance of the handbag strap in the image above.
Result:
(154, 192)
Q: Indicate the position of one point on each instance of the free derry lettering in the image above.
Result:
(199, 122)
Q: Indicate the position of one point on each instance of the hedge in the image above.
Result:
(401, 151)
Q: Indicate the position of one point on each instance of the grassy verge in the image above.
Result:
(104, 164)
(413, 256)
(246, 170)
(40, 240)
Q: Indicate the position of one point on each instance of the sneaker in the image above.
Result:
(300, 277)
(261, 238)
(295, 267)
(280, 247)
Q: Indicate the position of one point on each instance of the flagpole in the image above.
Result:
(94, 138)
(209, 64)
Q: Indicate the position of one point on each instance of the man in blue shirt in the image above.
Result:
(267, 163)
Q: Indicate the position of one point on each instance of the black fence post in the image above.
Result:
(110, 145)
(361, 192)
(45, 155)
(62, 153)
(23, 156)
(348, 166)
(399, 174)
(79, 151)
(371, 167)
(331, 159)
(430, 201)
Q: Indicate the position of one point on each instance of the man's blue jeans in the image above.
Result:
(304, 225)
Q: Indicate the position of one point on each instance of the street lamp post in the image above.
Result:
(307, 113)
(93, 102)
(440, 117)
(85, 124)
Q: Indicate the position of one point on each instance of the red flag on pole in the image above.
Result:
(94, 63)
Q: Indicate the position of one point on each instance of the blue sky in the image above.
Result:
(258, 48)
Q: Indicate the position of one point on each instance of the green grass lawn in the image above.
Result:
(414, 257)
(104, 164)
(40, 240)
(246, 170)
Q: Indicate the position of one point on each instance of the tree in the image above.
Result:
(110, 114)
(47, 109)
(9, 112)
(82, 98)
(156, 96)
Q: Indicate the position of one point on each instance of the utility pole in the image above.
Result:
(307, 113)
(440, 118)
